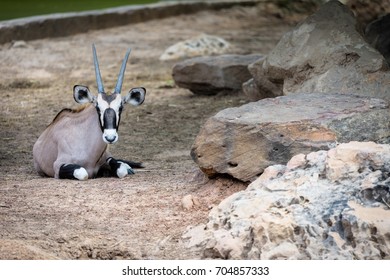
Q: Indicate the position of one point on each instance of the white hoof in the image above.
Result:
(124, 170)
(80, 174)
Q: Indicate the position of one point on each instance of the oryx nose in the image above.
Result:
(110, 138)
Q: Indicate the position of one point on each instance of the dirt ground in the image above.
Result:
(141, 216)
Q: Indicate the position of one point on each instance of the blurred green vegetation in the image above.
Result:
(10, 9)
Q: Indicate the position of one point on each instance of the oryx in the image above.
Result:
(74, 145)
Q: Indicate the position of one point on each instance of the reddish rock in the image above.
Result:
(243, 141)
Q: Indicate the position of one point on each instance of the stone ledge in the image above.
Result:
(243, 141)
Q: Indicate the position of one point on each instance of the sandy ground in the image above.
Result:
(141, 216)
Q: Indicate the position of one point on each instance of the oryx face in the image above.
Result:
(109, 106)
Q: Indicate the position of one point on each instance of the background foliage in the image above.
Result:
(10, 9)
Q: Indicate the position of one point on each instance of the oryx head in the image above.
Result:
(109, 106)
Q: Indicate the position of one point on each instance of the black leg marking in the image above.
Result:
(105, 171)
(132, 164)
(119, 168)
(110, 168)
(72, 171)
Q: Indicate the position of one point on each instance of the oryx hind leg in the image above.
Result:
(72, 171)
(118, 168)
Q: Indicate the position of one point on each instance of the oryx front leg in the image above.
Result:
(119, 168)
(71, 171)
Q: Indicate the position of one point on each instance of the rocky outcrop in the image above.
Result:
(324, 205)
(325, 53)
(212, 74)
(243, 141)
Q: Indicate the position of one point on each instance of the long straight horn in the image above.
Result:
(99, 81)
(118, 86)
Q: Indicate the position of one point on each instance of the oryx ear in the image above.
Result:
(82, 94)
(136, 96)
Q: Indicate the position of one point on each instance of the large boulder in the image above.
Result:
(243, 141)
(210, 75)
(378, 35)
(324, 205)
(325, 53)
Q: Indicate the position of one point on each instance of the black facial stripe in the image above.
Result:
(109, 119)
(98, 112)
(119, 115)
(118, 122)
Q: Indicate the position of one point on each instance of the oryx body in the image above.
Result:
(74, 145)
